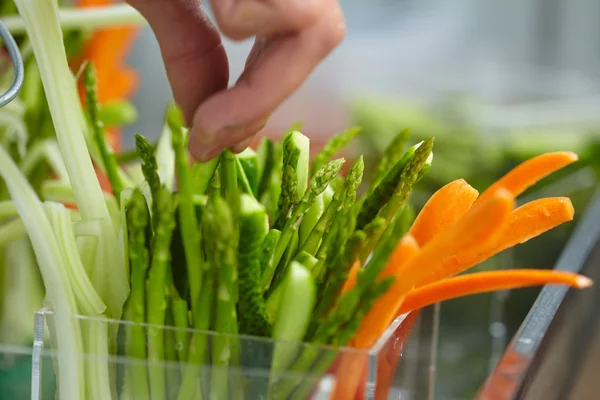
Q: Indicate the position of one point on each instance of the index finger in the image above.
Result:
(231, 116)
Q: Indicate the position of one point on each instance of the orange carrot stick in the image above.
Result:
(480, 225)
(382, 313)
(530, 172)
(489, 281)
(373, 324)
(526, 222)
(443, 209)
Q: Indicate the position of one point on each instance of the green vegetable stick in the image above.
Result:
(317, 185)
(381, 193)
(342, 198)
(149, 167)
(296, 148)
(267, 249)
(348, 302)
(248, 160)
(311, 218)
(224, 243)
(117, 113)
(296, 304)
(202, 173)
(332, 147)
(392, 152)
(265, 163)
(408, 177)
(243, 179)
(179, 309)
(108, 158)
(172, 376)
(156, 292)
(190, 233)
(137, 221)
(253, 229)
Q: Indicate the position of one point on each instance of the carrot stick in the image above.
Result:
(526, 222)
(382, 313)
(530, 172)
(484, 222)
(443, 209)
(412, 266)
(372, 325)
(489, 281)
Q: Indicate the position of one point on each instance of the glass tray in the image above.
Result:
(399, 365)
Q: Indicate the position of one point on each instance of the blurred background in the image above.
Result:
(495, 82)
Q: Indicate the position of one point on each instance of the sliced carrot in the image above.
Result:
(443, 209)
(530, 172)
(382, 313)
(351, 368)
(526, 222)
(480, 225)
(390, 355)
(489, 281)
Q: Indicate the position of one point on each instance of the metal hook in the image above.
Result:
(17, 62)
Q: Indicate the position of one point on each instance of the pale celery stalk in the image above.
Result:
(11, 231)
(95, 331)
(22, 292)
(45, 150)
(44, 31)
(62, 192)
(87, 299)
(87, 246)
(58, 288)
(15, 126)
(89, 18)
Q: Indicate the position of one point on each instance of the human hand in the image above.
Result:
(292, 38)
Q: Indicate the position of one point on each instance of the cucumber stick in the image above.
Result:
(310, 218)
(249, 162)
(296, 302)
(253, 225)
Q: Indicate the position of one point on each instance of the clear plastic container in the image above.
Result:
(400, 364)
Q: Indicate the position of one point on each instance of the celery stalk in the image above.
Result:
(58, 288)
(44, 31)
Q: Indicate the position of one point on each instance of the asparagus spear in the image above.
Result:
(190, 233)
(332, 147)
(341, 199)
(381, 193)
(156, 293)
(137, 221)
(108, 158)
(296, 149)
(317, 185)
(392, 152)
(149, 167)
(224, 242)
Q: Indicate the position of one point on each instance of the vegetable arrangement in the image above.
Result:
(241, 245)
(27, 132)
